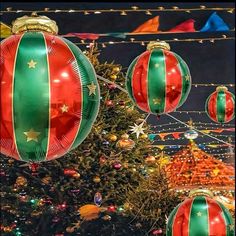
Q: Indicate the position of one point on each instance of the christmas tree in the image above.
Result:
(63, 196)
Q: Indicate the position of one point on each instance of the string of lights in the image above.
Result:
(197, 123)
(124, 11)
(145, 42)
(231, 129)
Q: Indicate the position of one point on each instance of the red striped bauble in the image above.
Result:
(200, 215)
(220, 105)
(158, 81)
(49, 96)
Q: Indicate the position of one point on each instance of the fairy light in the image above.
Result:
(148, 12)
(133, 9)
(132, 40)
(123, 13)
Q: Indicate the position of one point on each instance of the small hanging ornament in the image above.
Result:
(137, 129)
(125, 143)
(112, 137)
(98, 199)
(96, 179)
(158, 81)
(21, 181)
(220, 105)
(117, 165)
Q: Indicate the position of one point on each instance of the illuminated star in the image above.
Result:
(156, 101)
(187, 77)
(216, 171)
(157, 65)
(231, 227)
(138, 129)
(32, 63)
(64, 108)
(199, 214)
(92, 89)
(32, 135)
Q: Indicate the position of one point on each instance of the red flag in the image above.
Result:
(186, 26)
(176, 135)
(151, 25)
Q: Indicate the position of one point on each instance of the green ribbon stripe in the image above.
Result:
(31, 97)
(198, 224)
(157, 81)
(221, 103)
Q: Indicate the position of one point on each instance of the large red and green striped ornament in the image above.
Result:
(200, 215)
(220, 105)
(49, 96)
(158, 81)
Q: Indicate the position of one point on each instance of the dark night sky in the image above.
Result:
(208, 62)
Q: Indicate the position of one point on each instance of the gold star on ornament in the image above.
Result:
(199, 214)
(231, 227)
(187, 77)
(32, 135)
(92, 89)
(64, 108)
(32, 63)
(138, 129)
(156, 101)
(157, 65)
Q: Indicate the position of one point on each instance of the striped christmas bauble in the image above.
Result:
(158, 81)
(49, 96)
(200, 216)
(220, 105)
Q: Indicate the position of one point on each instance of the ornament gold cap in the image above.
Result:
(221, 88)
(201, 192)
(158, 45)
(34, 23)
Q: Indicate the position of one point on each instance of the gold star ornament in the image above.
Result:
(187, 77)
(64, 108)
(92, 89)
(32, 135)
(156, 101)
(32, 63)
(199, 214)
(231, 227)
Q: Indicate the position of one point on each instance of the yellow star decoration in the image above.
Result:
(32, 63)
(64, 108)
(216, 171)
(156, 101)
(32, 135)
(92, 89)
(199, 214)
(157, 65)
(231, 227)
(187, 77)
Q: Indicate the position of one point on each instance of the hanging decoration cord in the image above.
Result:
(229, 144)
(123, 90)
(142, 42)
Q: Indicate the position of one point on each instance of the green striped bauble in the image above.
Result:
(220, 105)
(49, 96)
(200, 216)
(158, 81)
